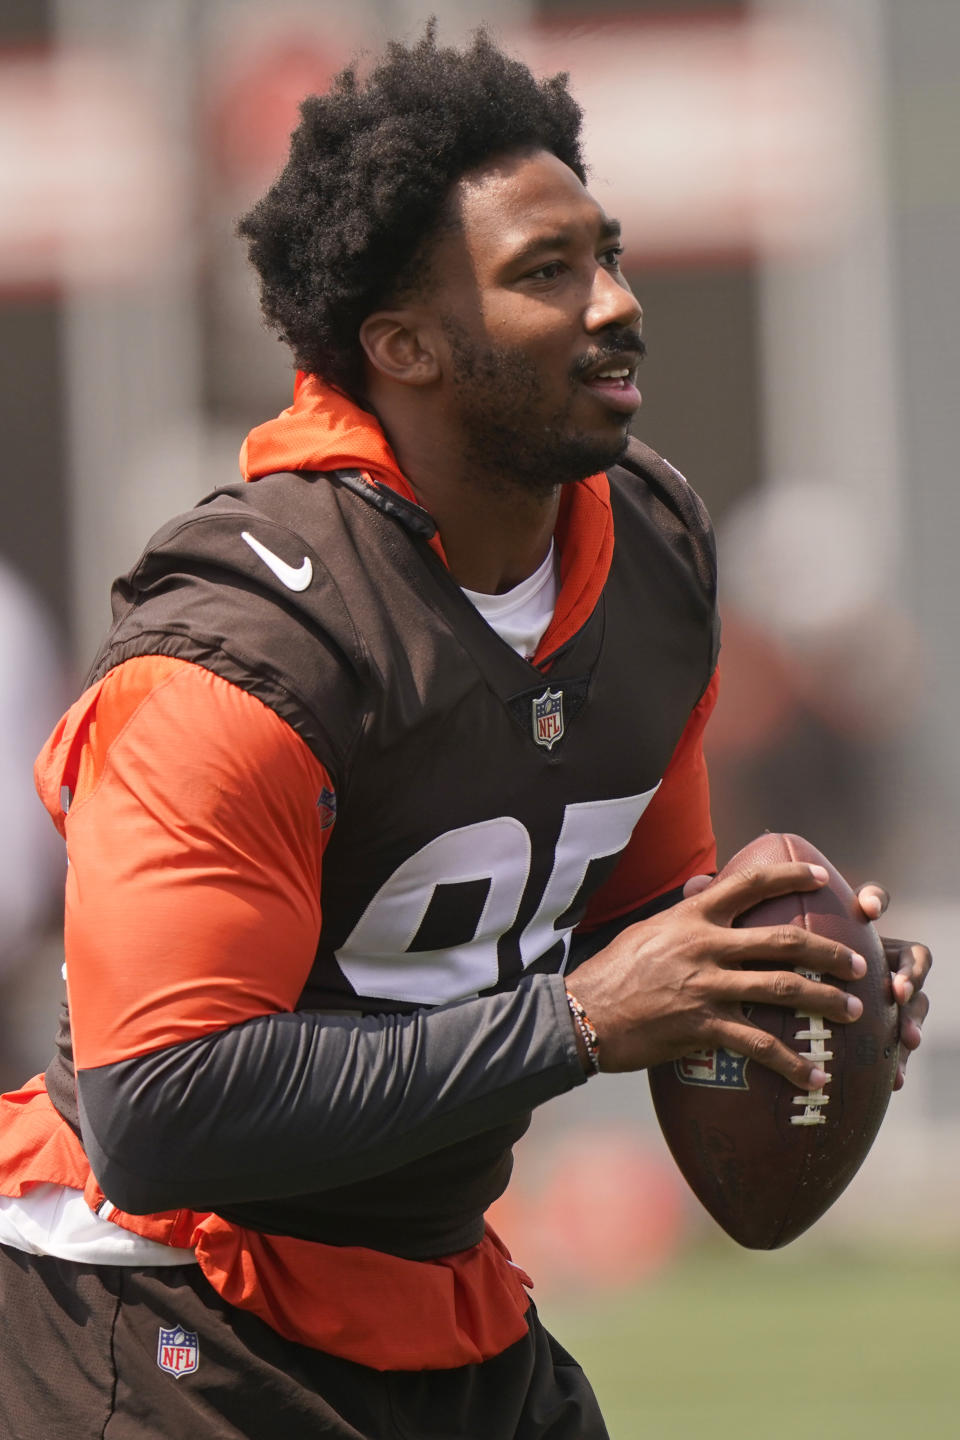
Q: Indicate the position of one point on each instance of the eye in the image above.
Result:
(550, 271)
(611, 257)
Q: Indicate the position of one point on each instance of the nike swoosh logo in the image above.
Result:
(295, 577)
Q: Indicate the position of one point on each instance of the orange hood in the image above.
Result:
(322, 430)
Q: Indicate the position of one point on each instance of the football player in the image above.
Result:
(383, 742)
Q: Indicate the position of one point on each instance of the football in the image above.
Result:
(765, 1158)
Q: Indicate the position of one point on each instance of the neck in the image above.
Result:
(495, 532)
(492, 542)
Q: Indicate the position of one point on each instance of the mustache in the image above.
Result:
(621, 343)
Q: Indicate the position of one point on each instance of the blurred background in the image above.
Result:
(787, 176)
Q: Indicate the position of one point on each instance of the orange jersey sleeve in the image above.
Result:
(194, 842)
(674, 837)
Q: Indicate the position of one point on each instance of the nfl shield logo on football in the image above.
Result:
(718, 1069)
(178, 1351)
(548, 718)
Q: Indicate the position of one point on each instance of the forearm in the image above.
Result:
(291, 1104)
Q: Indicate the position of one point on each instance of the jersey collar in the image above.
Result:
(323, 430)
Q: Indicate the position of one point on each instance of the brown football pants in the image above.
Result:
(82, 1357)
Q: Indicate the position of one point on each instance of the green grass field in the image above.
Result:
(776, 1347)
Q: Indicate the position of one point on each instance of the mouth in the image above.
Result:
(613, 384)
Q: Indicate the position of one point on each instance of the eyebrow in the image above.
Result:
(561, 240)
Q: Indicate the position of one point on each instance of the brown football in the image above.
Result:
(764, 1158)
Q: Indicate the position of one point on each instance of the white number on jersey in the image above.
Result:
(376, 958)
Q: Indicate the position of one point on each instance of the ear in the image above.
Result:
(399, 348)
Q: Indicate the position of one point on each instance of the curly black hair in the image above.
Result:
(346, 226)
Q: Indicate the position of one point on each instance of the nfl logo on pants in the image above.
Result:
(178, 1351)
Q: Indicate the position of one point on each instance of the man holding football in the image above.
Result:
(387, 820)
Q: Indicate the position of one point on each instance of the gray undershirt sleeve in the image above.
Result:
(291, 1104)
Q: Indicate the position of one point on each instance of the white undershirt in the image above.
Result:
(55, 1220)
(521, 615)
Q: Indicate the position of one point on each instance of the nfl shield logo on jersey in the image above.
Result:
(548, 718)
(178, 1351)
(326, 808)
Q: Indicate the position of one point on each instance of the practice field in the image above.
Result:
(736, 1346)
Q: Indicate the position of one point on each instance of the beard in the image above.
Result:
(510, 441)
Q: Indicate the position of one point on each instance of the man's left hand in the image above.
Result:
(910, 963)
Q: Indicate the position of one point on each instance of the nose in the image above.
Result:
(612, 302)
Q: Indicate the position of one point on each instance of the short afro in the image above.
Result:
(346, 226)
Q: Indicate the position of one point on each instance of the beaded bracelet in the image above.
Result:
(588, 1034)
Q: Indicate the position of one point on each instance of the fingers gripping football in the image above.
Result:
(909, 966)
(680, 980)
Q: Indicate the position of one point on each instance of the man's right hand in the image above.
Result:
(679, 981)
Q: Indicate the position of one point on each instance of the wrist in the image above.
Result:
(588, 1044)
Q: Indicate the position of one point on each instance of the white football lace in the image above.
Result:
(817, 1034)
